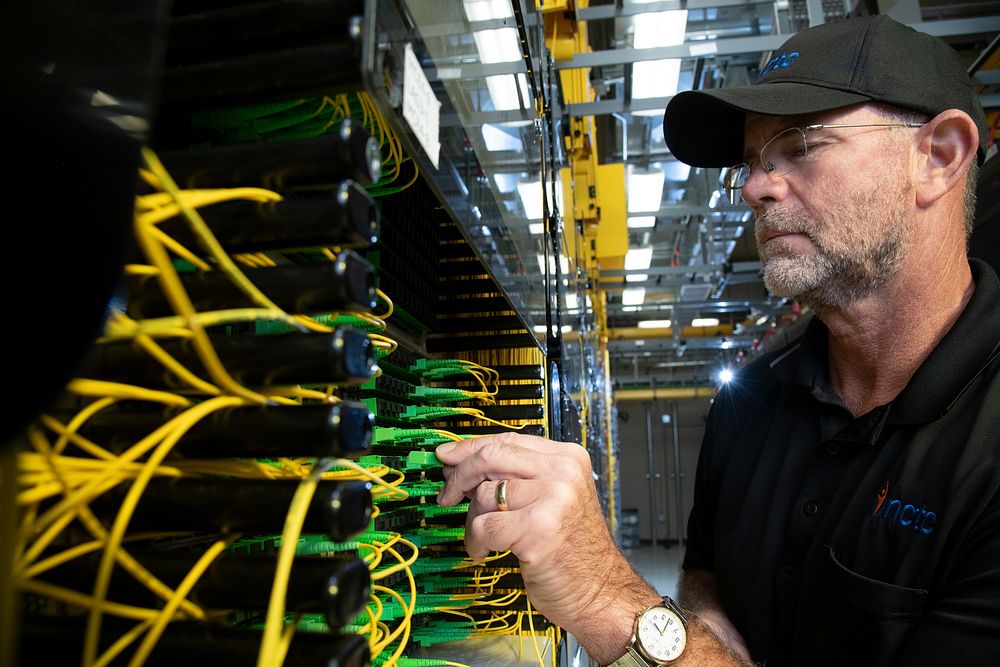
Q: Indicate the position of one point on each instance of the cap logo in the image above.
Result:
(779, 61)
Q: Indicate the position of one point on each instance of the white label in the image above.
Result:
(704, 48)
(421, 108)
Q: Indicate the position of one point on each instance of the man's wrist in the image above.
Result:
(606, 628)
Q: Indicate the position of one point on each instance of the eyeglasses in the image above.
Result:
(783, 153)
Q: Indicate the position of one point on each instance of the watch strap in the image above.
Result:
(632, 658)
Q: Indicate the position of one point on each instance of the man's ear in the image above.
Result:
(946, 146)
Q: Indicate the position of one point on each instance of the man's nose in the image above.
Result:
(762, 188)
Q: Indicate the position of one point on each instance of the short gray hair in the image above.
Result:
(899, 115)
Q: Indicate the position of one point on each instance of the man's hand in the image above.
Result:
(573, 571)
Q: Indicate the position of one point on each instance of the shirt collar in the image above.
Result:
(965, 350)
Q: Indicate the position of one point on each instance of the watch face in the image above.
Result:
(661, 634)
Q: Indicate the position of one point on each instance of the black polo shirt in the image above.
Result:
(870, 541)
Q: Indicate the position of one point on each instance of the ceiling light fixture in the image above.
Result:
(563, 264)
(657, 78)
(503, 91)
(633, 296)
(645, 189)
(637, 259)
(641, 222)
(498, 46)
(498, 140)
(654, 324)
(530, 192)
(705, 322)
(653, 29)
(484, 10)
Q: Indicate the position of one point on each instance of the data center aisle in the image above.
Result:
(658, 565)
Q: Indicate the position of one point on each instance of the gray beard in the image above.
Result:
(842, 270)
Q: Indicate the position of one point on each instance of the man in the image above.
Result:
(847, 503)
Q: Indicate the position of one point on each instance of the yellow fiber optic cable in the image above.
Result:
(180, 594)
(115, 535)
(103, 389)
(122, 643)
(274, 618)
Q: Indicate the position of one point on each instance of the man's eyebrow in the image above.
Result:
(785, 122)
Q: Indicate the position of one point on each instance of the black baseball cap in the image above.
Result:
(825, 67)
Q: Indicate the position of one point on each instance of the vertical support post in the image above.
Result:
(650, 473)
(678, 475)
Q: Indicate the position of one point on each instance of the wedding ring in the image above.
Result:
(502, 496)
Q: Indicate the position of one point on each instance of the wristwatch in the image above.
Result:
(659, 637)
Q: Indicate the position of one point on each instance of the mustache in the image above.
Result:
(781, 221)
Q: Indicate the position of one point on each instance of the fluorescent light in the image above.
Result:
(645, 189)
(484, 10)
(563, 264)
(705, 322)
(498, 46)
(655, 78)
(654, 324)
(641, 221)
(498, 140)
(636, 277)
(541, 328)
(638, 258)
(530, 192)
(654, 29)
(503, 92)
(536, 228)
(633, 296)
(572, 301)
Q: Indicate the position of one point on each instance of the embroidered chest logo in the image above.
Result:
(901, 513)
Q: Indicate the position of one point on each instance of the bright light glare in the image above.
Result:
(654, 324)
(705, 322)
(641, 221)
(725, 375)
(633, 296)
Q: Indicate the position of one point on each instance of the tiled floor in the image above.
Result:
(659, 565)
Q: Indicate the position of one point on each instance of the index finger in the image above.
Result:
(508, 455)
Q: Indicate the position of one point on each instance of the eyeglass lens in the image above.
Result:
(780, 155)
(784, 151)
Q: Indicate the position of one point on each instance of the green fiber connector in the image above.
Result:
(391, 435)
(439, 394)
(317, 547)
(431, 510)
(426, 413)
(370, 536)
(429, 565)
(403, 661)
(422, 460)
(428, 536)
(313, 623)
(434, 364)
(422, 489)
